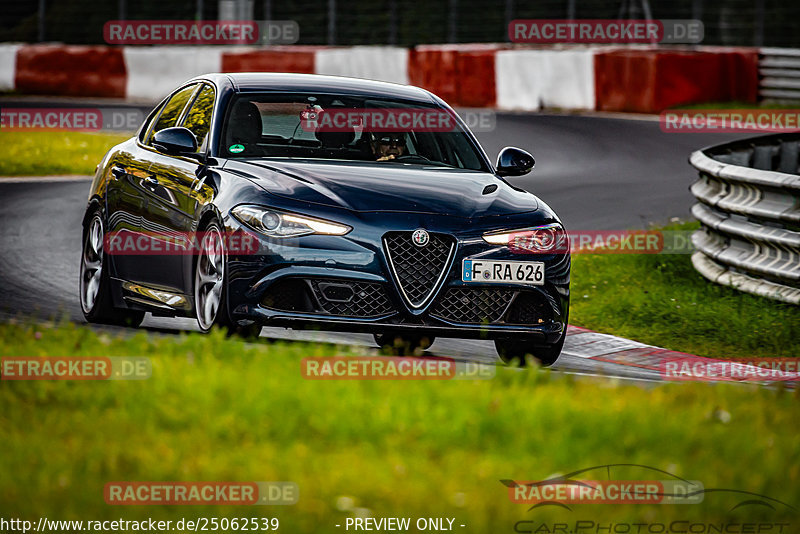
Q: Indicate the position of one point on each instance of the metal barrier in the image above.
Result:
(749, 209)
(779, 73)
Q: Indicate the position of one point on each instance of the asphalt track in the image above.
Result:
(598, 173)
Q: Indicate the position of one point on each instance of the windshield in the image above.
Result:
(338, 127)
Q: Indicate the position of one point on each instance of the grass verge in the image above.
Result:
(662, 300)
(218, 409)
(40, 153)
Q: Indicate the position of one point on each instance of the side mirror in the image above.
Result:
(514, 162)
(175, 141)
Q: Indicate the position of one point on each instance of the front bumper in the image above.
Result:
(346, 284)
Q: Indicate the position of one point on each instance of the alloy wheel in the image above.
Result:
(209, 277)
(92, 264)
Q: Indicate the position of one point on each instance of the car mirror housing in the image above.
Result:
(177, 141)
(514, 161)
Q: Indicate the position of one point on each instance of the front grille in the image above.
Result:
(485, 305)
(417, 270)
(344, 298)
(290, 294)
(473, 305)
(368, 299)
(529, 308)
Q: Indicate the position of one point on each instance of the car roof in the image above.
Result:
(286, 82)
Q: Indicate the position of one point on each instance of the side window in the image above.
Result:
(198, 119)
(151, 119)
(172, 111)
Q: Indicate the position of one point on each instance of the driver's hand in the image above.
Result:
(386, 158)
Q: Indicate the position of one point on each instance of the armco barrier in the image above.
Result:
(738, 73)
(8, 65)
(297, 59)
(155, 71)
(435, 68)
(779, 73)
(749, 208)
(476, 71)
(652, 80)
(543, 78)
(384, 63)
(462, 75)
(608, 78)
(70, 70)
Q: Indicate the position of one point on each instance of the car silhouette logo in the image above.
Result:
(420, 237)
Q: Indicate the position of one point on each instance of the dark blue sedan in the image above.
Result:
(303, 201)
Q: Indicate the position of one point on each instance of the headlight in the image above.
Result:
(281, 224)
(549, 238)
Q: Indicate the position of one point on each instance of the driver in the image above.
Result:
(388, 146)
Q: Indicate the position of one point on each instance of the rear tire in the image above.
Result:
(95, 283)
(404, 344)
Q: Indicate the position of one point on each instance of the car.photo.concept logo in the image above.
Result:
(596, 485)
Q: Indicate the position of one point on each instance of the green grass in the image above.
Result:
(661, 300)
(217, 409)
(39, 153)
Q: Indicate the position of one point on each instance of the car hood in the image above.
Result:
(369, 186)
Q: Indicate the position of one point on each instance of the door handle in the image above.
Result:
(118, 172)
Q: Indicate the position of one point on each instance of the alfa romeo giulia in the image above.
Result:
(305, 201)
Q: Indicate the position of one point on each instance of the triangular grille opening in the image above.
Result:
(418, 271)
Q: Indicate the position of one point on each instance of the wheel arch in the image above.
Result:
(95, 203)
(207, 216)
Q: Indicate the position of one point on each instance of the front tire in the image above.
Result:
(210, 287)
(515, 351)
(95, 283)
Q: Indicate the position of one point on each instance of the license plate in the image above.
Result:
(505, 272)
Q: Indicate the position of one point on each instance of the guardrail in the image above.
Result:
(779, 73)
(749, 207)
